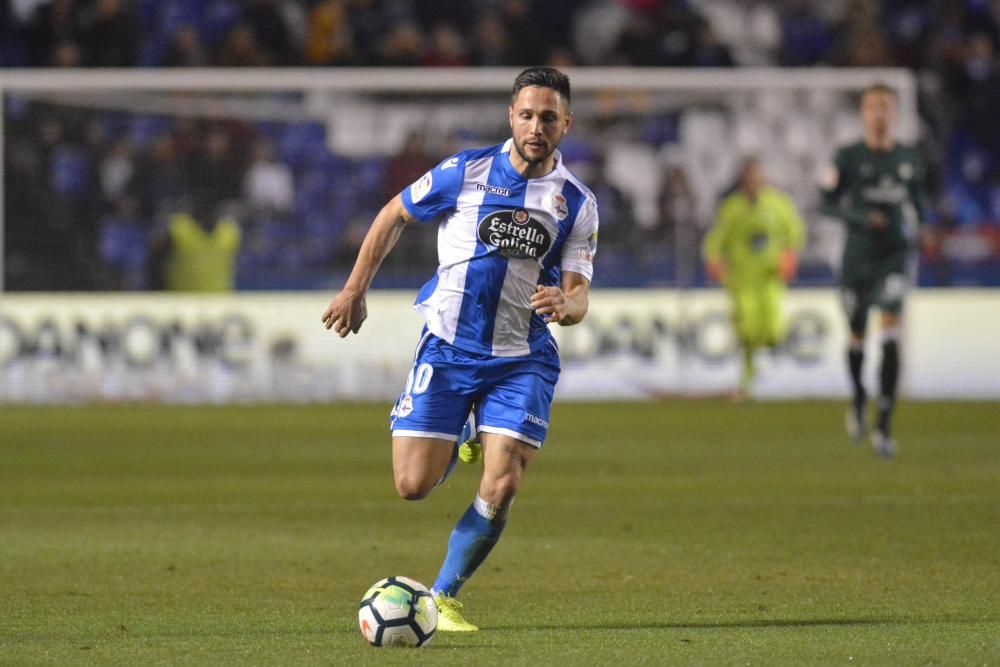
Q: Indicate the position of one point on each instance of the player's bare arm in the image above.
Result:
(566, 304)
(348, 309)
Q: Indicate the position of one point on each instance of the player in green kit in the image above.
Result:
(752, 249)
(875, 186)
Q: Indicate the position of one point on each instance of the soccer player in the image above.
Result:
(752, 249)
(516, 241)
(875, 186)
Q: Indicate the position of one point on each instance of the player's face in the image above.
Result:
(538, 120)
(753, 179)
(878, 110)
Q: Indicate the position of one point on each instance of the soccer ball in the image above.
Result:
(398, 611)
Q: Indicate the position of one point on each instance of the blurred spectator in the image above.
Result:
(240, 49)
(66, 54)
(805, 36)
(708, 51)
(640, 42)
(560, 58)
(216, 172)
(123, 247)
(87, 167)
(195, 251)
(406, 166)
(618, 234)
(907, 28)
(677, 227)
(973, 82)
(268, 186)
(859, 40)
(50, 24)
(458, 13)
(161, 179)
(109, 33)
(185, 48)
(267, 22)
(117, 170)
(446, 47)
(750, 30)
(491, 45)
(681, 27)
(402, 46)
(597, 29)
(531, 35)
(370, 21)
(328, 35)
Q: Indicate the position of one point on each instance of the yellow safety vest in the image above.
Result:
(202, 260)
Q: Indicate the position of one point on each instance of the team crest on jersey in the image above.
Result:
(420, 189)
(405, 406)
(515, 234)
(906, 171)
(560, 206)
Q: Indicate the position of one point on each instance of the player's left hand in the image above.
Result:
(549, 302)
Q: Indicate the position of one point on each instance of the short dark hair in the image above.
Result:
(546, 77)
(879, 87)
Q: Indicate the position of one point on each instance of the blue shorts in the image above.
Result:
(511, 395)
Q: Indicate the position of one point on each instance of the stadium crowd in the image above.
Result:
(92, 185)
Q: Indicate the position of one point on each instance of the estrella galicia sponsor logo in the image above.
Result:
(515, 234)
(493, 189)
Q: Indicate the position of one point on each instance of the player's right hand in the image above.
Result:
(716, 271)
(346, 313)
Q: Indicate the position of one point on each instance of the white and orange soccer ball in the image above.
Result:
(397, 611)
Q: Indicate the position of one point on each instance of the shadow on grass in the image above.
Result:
(744, 624)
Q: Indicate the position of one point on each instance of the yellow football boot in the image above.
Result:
(449, 620)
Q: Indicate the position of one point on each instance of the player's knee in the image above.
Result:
(412, 487)
(501, 490)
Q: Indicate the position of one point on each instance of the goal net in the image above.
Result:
(96, 162)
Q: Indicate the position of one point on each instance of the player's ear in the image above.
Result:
(569, 122)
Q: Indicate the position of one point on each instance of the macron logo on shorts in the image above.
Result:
(538, 421)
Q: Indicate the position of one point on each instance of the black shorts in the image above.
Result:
(884, 288)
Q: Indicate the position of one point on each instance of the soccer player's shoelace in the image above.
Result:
(449, 620)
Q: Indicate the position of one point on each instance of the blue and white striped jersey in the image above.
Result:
(501, 235)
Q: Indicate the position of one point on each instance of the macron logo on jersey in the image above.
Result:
(493, 189)
(453, 162)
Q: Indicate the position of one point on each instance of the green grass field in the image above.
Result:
(683, 532)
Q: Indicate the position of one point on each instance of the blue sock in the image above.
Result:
(470, 542)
